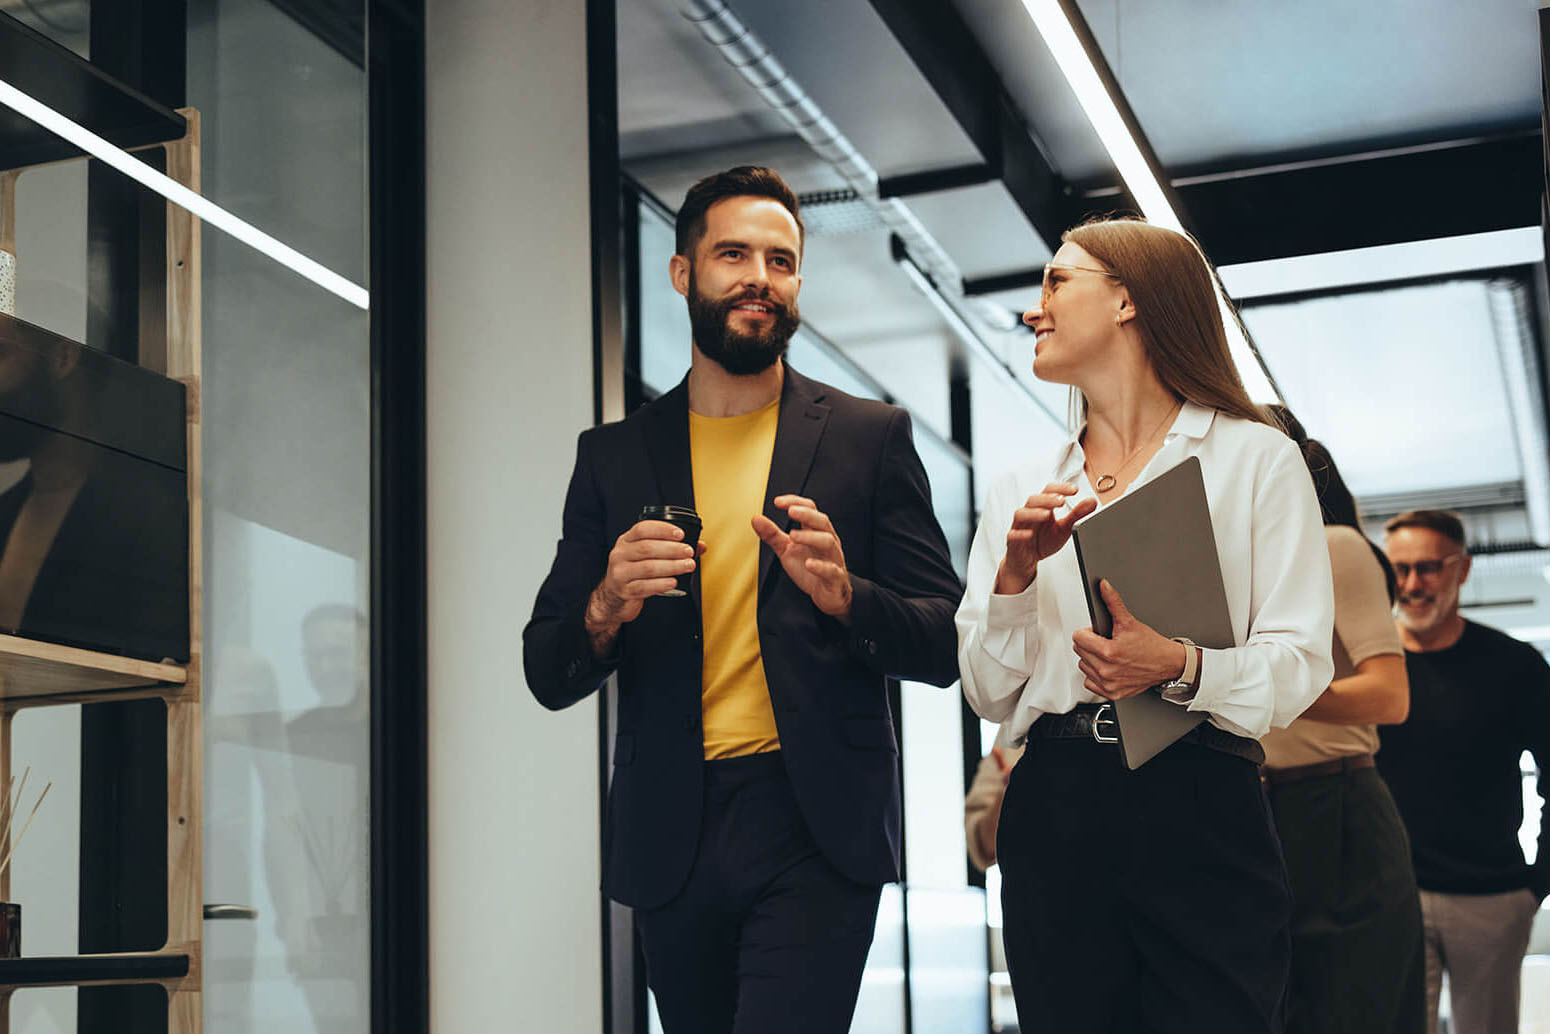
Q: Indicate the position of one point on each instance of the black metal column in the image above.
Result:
(400, 894)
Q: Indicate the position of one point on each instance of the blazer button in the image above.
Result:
(572, 669)
(871, 647)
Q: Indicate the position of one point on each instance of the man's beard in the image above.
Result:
(1429, 617)
(739, 353)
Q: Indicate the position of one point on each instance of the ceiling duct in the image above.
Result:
(942, 281)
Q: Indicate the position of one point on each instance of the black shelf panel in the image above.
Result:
(134, 410)
(72, 86)
(41, 970)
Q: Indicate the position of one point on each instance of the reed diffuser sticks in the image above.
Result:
(9, 807)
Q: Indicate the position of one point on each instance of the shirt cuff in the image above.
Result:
(1208, 692)
(1018, 611)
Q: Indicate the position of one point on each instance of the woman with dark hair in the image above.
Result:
(1154, 899)
(1358, 965)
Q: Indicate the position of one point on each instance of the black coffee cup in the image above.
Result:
(685, 518)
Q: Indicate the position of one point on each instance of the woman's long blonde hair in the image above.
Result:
(1174, 290)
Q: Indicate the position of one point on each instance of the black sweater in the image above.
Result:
(1453, 766)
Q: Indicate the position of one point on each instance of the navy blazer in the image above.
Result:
(856, 460)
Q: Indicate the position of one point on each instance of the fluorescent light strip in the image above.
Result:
(181, 196)
(1411, 260)
(1101, 111)
(1125, 153)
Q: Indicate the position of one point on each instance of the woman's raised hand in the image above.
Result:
(1037, 532)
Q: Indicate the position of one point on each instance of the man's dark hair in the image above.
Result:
(1443, 522)
(743, 181)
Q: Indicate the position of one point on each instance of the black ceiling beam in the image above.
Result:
(995, 283)
(1279, 210)
(937, 40)
(1473, 187)
(931, 181)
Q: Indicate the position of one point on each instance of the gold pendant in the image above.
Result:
(1105, 482)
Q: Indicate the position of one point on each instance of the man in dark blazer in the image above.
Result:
(754, 811)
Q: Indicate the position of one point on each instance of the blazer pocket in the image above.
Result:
(870, 733)
(624, 748)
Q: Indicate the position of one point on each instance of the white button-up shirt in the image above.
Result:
(1015, 652)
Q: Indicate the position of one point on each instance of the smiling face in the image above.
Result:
(1077, 324)
(1431, 570)
(742, 283)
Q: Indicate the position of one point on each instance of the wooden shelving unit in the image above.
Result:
(37, 674)
(34, 673)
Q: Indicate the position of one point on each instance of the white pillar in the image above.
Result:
(514, 842)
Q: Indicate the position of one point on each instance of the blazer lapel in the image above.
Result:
(667, 443)
(797, 434)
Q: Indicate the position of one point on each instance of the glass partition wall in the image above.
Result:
(274, 97)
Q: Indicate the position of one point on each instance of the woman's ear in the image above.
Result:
(1127, 309)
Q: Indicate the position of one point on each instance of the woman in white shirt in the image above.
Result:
(1153, 899)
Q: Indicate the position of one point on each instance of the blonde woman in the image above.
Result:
(1156, 899)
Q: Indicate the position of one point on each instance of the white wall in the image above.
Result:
(513, 789)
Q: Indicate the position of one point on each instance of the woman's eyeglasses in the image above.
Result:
(1049, 267)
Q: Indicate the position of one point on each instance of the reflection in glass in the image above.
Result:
(93, 523)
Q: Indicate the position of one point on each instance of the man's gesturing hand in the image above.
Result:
(811, 554)
(1037, 533)
(645, 560)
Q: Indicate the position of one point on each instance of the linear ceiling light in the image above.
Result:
(181, 196)
(1136, 172)
(1102, 112)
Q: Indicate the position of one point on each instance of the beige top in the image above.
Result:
(1364, 627)
(984, 800)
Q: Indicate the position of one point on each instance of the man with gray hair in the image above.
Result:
(1478, 700)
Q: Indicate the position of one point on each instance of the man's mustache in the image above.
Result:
(756, 296)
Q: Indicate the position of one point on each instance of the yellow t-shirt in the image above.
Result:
(731, 458)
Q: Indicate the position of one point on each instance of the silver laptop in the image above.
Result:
(1156, 546)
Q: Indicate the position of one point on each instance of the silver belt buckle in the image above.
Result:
(1099, 719)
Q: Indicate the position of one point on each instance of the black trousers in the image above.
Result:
(1145, 901)
(766, 936)
(1358, 959)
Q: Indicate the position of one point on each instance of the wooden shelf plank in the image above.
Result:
(75, 88)
(29, 668)
(67, 970)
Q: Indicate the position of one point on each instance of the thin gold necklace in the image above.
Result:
(1106, 482)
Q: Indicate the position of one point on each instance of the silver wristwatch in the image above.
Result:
(1186, 679)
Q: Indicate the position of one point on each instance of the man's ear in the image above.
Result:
(1464, 566)
(678, 272)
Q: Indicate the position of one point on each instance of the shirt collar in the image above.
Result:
(1193, 421)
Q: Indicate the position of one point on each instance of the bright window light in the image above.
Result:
(1410, 260)
(181, 196)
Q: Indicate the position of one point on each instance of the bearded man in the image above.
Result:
(1478, 700)
(753, 815)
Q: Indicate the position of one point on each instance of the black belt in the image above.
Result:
(1096, 722)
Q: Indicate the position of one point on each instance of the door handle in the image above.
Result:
(230, 912)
